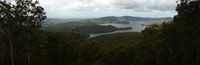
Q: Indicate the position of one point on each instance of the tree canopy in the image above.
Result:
(22, 42)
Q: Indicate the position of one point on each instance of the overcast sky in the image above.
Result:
(100, 8)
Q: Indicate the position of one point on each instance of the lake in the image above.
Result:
(137, 26)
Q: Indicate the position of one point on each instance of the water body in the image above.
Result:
(137, 26)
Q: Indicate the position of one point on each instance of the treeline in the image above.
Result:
(22, 42)
(51, 48)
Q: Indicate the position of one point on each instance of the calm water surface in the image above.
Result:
(137, 26)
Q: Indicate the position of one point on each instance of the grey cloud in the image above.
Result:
(10, 0)
(162, 5)
(163, 8)
(89, 8)
(126, 4)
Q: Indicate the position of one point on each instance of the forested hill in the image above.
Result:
(88, 26)
(110, 40)
(23, 41)
(132, 18)
(108, 19)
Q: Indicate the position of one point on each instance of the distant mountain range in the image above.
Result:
(132, 18)
(109, 19)
(87, 26)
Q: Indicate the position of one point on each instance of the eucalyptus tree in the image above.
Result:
(176, 42)
(188, 26)
(19, 21)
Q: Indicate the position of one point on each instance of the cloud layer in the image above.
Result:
(99, 8)
(147, 5)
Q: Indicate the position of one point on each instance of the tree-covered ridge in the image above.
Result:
(126, 19)
(110, 40)
(22, 42)
(88, 26)
(85, 27)
(107, 19)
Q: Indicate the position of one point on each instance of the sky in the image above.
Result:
(101, 8)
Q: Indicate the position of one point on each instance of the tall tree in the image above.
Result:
(176, 42)
(23, 17)
(188, 26)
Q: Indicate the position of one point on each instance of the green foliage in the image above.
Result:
(110, 40)
(176, 42)
(169, 43)
(20, 25)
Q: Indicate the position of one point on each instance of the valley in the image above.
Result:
(101, 26)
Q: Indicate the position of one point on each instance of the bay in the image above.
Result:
(137, 26)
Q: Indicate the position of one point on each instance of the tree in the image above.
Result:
(177, 42)
(20, 21)
(188, 26)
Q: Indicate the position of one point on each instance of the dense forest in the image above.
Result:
(24, 42)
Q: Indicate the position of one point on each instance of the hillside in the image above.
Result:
(88, 26)
(107, 41)
(108, 19)
(133, 18)
(85, 27)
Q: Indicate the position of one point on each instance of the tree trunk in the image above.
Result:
(29, 54)
(11, 48)
(29, 58)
